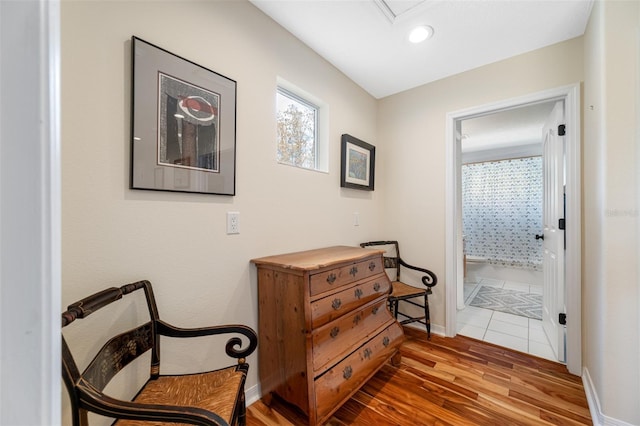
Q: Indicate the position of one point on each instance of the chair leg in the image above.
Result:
(427, 319)
(242, 410)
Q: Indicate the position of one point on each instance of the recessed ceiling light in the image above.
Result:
(420, 33)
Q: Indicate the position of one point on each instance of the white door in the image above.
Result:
(553, 301)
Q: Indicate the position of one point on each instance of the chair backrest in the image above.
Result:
(391, 256)
(116, 353)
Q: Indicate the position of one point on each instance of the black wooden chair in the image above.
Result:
(210, 398)
(404, 292)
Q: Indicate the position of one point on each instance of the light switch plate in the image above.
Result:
(233, 222)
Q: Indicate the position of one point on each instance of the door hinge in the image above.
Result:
(562, 319)
(561, 130)
(561, 224)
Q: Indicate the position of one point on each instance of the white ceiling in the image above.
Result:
(367, 39)
(510, 128)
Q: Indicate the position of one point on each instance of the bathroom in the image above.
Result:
(502, 207)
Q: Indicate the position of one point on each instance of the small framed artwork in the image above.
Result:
(183, 124)
(358, 164)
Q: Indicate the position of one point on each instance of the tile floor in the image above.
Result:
(511, 331)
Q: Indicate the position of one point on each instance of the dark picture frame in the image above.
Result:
(183, 124)
(357, 168)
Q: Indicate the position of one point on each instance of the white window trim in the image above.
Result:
(322, 123)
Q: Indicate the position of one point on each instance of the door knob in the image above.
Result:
(539, 237)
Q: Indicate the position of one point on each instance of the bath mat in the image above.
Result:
(509, 301)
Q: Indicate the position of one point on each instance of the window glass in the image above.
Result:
(297, 134)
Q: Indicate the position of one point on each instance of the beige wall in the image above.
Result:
(611, 303)
(412, 134)
(112, 235)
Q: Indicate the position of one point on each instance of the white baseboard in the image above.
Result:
(597, 416)
(592, 399)
(252, 394)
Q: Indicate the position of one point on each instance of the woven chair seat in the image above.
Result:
(214, 391)
(212, 398)
(401, 290)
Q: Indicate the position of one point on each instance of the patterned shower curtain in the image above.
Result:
(502, 211)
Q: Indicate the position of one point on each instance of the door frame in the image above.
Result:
(453, 208)
(30, 200)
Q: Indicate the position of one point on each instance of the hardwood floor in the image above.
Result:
(454, 381)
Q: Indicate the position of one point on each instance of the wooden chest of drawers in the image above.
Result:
(324, 327)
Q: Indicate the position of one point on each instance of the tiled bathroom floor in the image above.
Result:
(520, 333)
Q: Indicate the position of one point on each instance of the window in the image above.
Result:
(298, 142)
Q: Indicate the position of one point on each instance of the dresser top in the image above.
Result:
(316, 259)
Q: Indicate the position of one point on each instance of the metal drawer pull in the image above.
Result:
(336, 304)
(348, 371)
(375, 310)
(376, 286)
(354, 271)
(334, 332)
(331, 278)
(358, 293)
(385, 341)
(372, 266)
(357, 319)
(367, 353)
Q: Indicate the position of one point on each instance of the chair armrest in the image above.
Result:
(98, 402)
(171, 331)
(429, 280)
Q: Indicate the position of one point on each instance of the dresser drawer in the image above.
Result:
(333, 306)
(333, 278)
(335, 340)
(341, 381)
(319, 337)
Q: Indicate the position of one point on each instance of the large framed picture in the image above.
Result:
(183, 124)
(358, 164)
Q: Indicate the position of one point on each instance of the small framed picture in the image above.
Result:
(358, 164)
(183, 124)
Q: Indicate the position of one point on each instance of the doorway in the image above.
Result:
(570, 95)
(502, 226)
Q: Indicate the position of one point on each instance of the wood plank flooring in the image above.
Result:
(453, 381)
